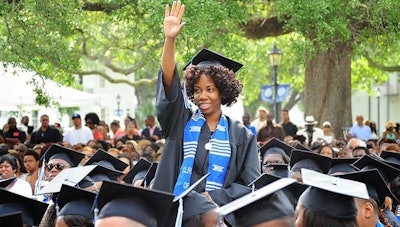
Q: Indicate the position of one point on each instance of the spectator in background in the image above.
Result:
(246, 122)
(372, 126)
(14, 135)
(78, 133)
(151, 132)
(9, 169)
(359, 130)
(287, 125)
(261, 120)
(46, 133)
(390, 133)
(31, 164)
(132, 133)
(328, 137)
(116, 130)
(92, 121)
(270, 130)
(24, 126)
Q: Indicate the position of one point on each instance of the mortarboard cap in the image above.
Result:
(32, 210)
(75, 201)
(292, 191)
(303, 159)
(206, 57)
(331, 196)
(387, 171)
(141, 165)
(299, 146)
(275, 143)
(107, 164)
(11, 219)
(64, 153)
(70, 176)
(376, 186)
(263, 205)
(342, 165)
(151, 172)
(149, 207)
(391, 158)
(6, 182)
(278, 169)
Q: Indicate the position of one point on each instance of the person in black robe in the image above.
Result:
(209, 83)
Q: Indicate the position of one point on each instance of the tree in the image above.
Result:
(335, 32)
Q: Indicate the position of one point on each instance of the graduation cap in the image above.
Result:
(149, 207)
(70, 176)
(376, 186)
(263, 205)
(387, 171)
(278, 169)
(32, 210)
(11, 219)
(141, 165)
(108, 165)
(75, 201)
(206, 57)
(292, 191)
(57, 151)
(342, 165)
(151, 172)
(275, 146)
(6, 182)
(391, 158)
(300, 146)
(331, 196)
(303, 159)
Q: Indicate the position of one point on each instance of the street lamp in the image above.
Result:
(118, 103)
(274, 56)
(378, 97)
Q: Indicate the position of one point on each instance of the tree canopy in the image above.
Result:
(62, 39)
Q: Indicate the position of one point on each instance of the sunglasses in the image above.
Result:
(58, 166)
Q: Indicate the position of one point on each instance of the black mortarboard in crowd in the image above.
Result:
(387, 171)
(342, 165)
(300, 146)
(75, 201)
(275, 146)
(141, 165)
(149, 207)
(151, 172)
(265, 204)
(292, 191)
(331, 196)
(391, 158)
(13, 219)
(377, 188)
(206, 57)
(4, 183)
(32, 210)
(108, 164)
(303, 159)
(70, 176)
(57, 151)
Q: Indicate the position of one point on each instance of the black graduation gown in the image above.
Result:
(244, 164)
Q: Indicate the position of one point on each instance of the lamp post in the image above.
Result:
(274, 56)
(378, 97)
(118, 105)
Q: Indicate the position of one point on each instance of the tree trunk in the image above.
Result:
(328, 87)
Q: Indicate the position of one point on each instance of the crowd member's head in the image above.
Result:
(76, 120)
(75, 207)
(338, 206)
(88, 152)
(358, 152)
(307, 160)
(8, 166)
(262, 113)
(92, 120)
(127, 159)
(275, 151)
(326, 150)
(31, 161)
(58, 158)
(125, 205)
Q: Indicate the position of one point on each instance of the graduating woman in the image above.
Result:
(204, 140)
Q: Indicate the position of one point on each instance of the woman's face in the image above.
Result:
(6, 171)
(273, 158)
(207, 96)
(327, 151)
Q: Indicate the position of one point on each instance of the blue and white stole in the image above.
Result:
(219, 155)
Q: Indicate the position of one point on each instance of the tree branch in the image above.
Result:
(374, 64)
(136, 83)
(259, 28)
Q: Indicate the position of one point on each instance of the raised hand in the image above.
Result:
(173, 19)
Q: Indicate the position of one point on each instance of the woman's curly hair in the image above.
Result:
(225, 80)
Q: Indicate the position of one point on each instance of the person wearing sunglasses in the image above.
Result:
(58, 158)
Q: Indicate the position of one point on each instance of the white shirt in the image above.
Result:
(75, 136)
(258, 124)
(318, 134)
(22, 187)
